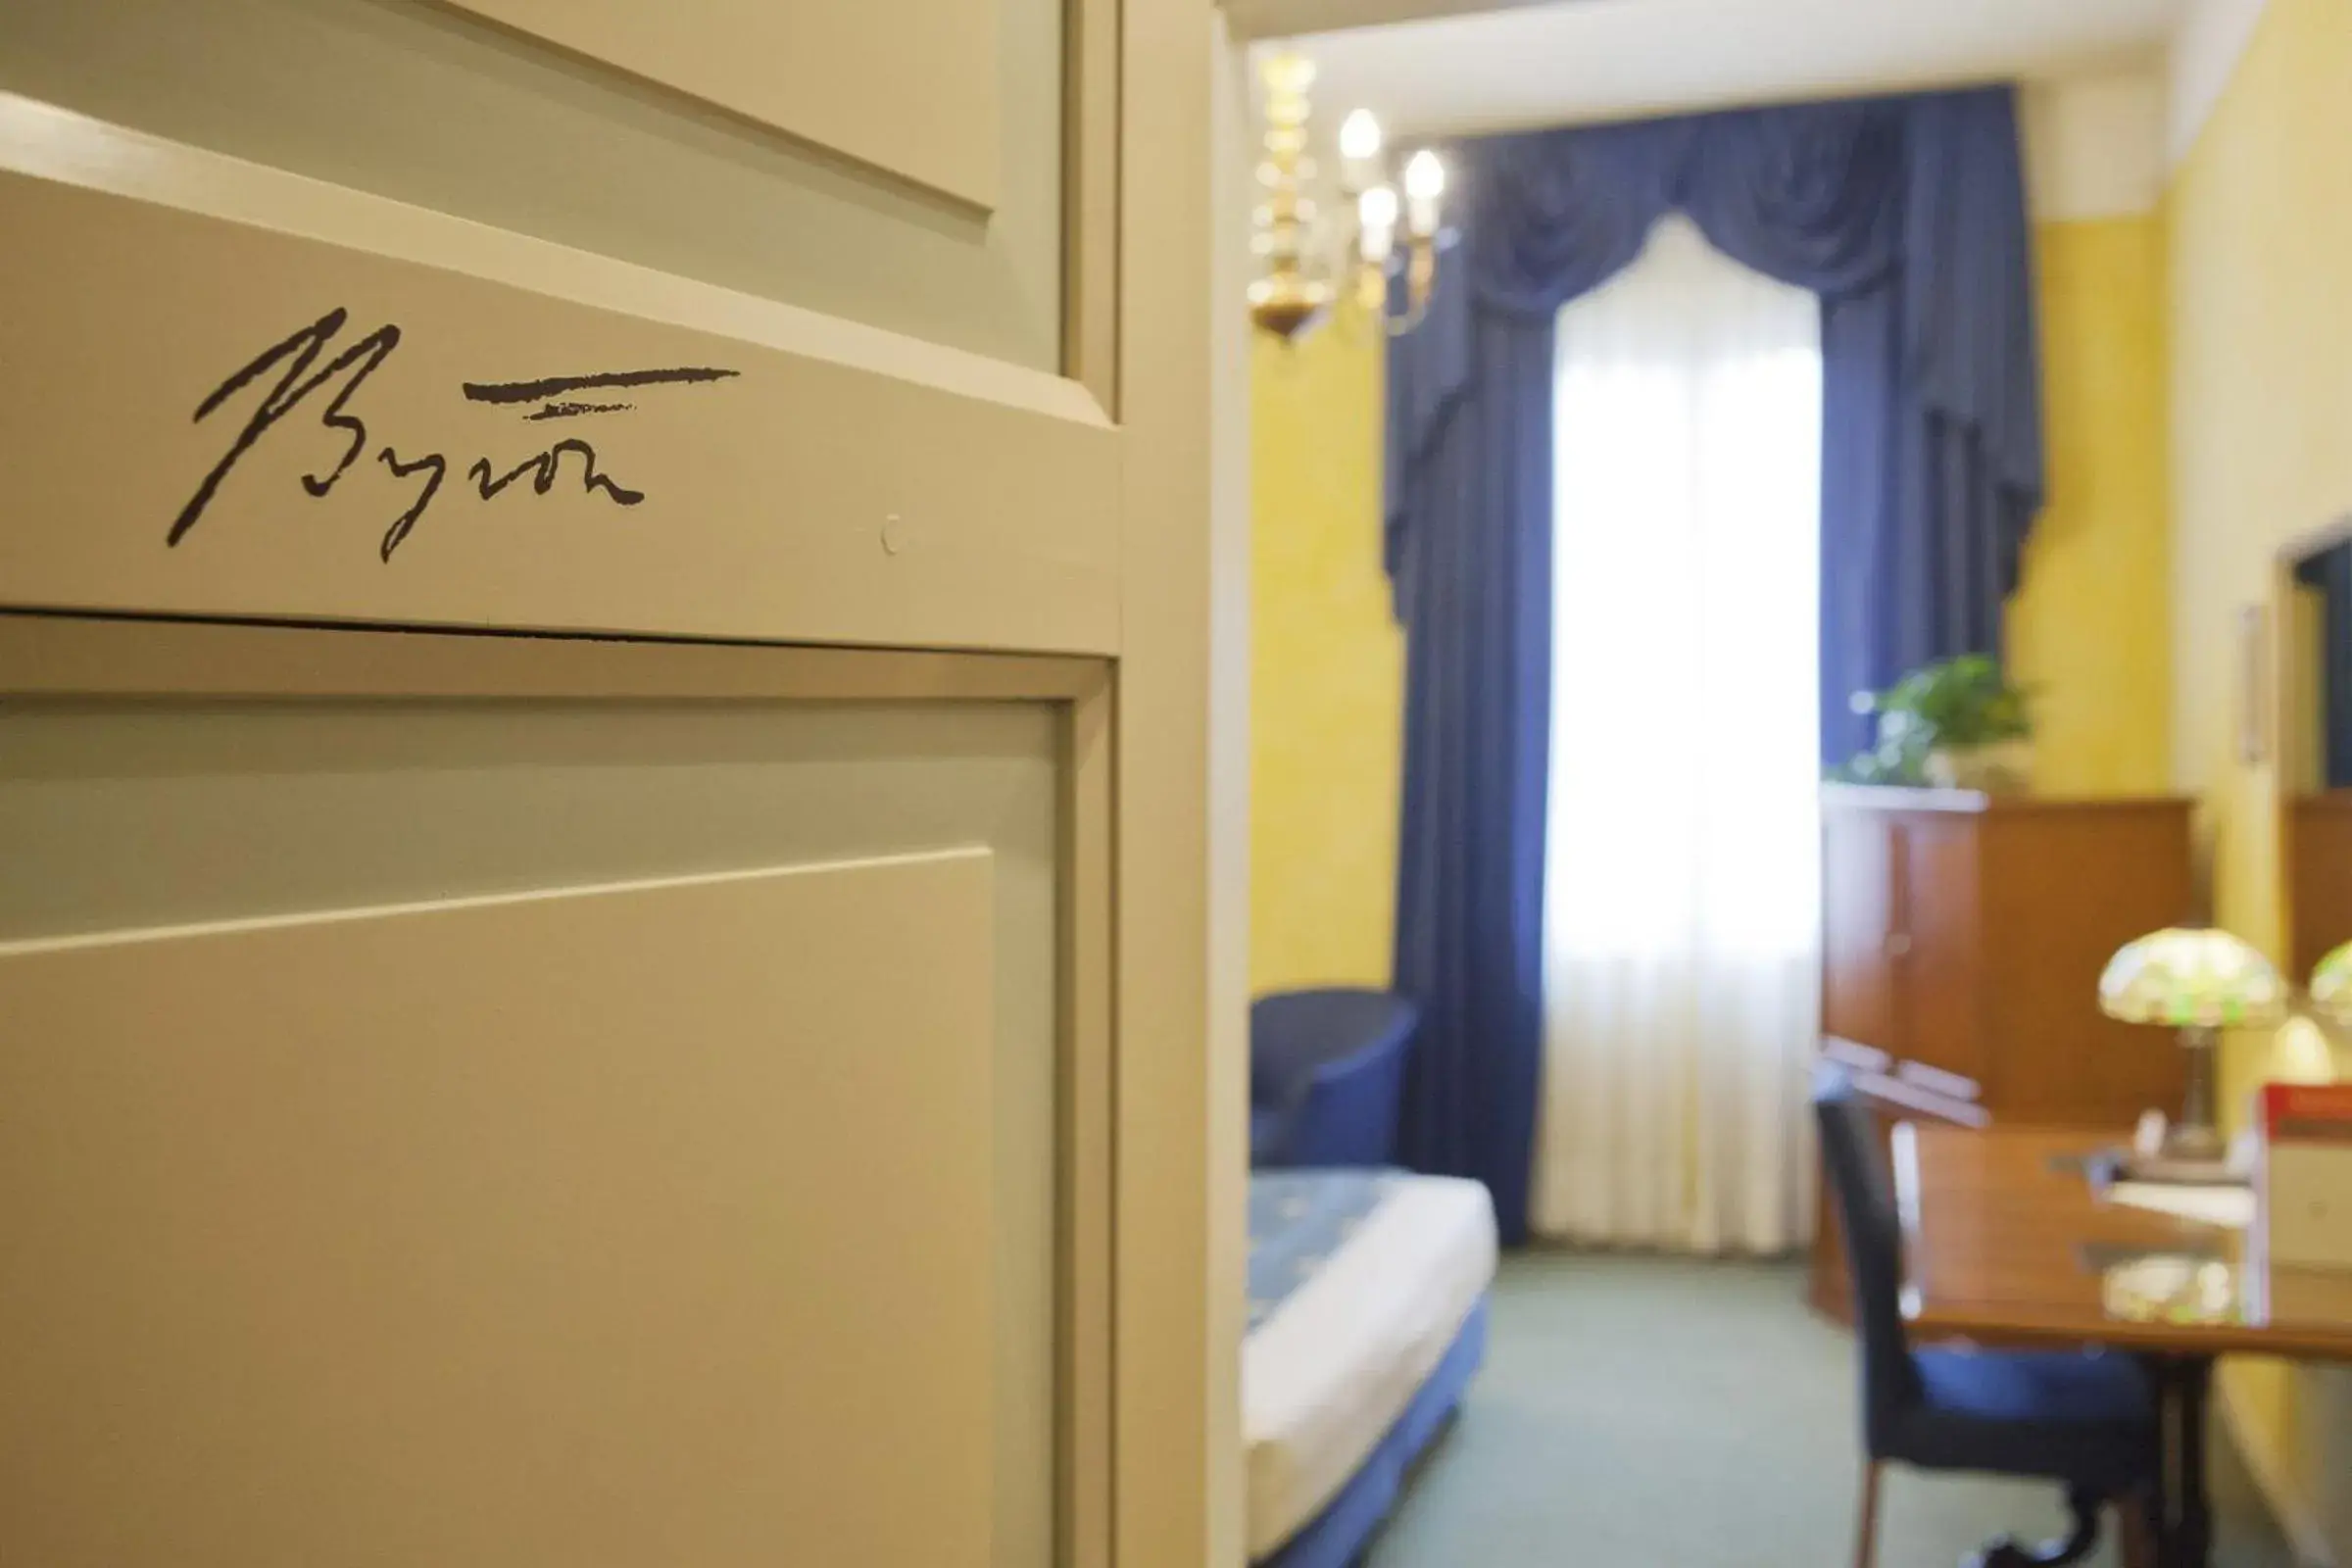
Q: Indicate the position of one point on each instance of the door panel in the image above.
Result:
(2064, 890)
(237, 421)
(691, 361)
(1942, 994)
(145, 815)
(1858, 922)
(906, 85)
(441, 108)
(331, 1283)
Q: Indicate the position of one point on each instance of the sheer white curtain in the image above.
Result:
(1682, 895)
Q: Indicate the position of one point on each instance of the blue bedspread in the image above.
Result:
(1297, 1221)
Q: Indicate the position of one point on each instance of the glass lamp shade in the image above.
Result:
(2193, 979)
(2332, 985)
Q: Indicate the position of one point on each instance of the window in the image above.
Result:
(1685, 740)
(1682, 890)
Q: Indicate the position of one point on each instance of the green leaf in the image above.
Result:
(1957, 705)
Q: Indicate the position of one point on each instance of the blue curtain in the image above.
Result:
(1907, 217)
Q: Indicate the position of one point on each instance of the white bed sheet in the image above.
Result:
(1329, 1372)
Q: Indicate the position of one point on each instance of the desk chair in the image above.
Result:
(2087, 1422)
(1326, 1069)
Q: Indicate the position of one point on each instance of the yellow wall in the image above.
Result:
(2260, 221)
(1327, 666)
(2088, 628)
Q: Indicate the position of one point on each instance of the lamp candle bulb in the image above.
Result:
(1423, 183)
(1359, 149)
(1376, 223)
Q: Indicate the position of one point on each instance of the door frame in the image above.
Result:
(1182, 847)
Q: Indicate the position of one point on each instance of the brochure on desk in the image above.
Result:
(2303, 1174)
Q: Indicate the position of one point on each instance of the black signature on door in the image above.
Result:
(348, 371)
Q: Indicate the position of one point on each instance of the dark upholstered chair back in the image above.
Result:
(1864, 1194)
(1326, 1069)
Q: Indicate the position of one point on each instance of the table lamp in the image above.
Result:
(2199, 982)
(2332, 985)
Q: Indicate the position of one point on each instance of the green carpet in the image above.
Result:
(1669, 1413)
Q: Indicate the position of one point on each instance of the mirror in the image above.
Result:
(2311, 617)
(2318, 628)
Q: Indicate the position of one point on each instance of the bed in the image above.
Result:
(1367, 1320)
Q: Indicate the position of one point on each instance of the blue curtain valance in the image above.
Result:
(1920, 200)
(1907, 217)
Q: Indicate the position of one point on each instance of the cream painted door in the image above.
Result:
(603, 660)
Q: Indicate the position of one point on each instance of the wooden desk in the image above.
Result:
(2006, 1241)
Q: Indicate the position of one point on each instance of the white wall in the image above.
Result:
(2095, 144)
(2212, 34)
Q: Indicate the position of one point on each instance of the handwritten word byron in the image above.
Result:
(346, 371)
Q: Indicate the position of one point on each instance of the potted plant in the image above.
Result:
(1958, 724)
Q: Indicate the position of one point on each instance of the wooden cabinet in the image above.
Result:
(2318, 876)
(1962, 940)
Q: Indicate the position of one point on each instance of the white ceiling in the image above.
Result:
(1587, 60)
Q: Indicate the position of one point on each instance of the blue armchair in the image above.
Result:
(1326, 1069)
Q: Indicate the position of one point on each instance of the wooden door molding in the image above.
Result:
(434, 106)
(81, 656)
(1182, 711)
(908, 87)
(1943, 1023)
(1089, 193)
(1862, 929)
(63, 656)
(747, 475)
